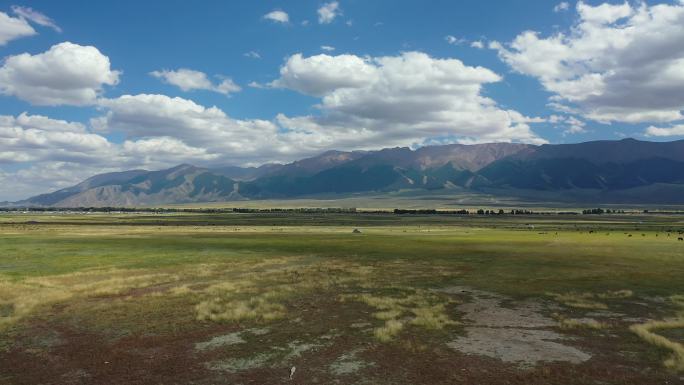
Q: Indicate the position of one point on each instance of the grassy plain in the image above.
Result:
(244, 298)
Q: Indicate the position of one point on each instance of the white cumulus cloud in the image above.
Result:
(328, 12)
(66, 74)
(36, 138)
(477, 44)
(278, 16)
(562, 6)
(618, 63)
(320, 74)
(676, 130)
(398, 100)
(189, 80)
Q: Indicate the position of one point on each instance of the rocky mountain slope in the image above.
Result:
(603, 168)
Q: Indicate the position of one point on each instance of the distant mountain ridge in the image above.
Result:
(605, 167)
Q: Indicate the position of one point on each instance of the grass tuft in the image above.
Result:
(417, 307)
(390, 329)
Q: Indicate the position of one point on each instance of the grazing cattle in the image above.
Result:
(680, 239)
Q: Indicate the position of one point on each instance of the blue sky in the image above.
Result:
(573, 79)
(140, 37)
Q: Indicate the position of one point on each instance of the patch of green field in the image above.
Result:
(510, 258)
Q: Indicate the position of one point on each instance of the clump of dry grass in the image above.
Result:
(431, 316)
(390, 329)
(646, 332)
(420, 308)
(258, 308)
(617, 294)
(589, 300)
(387, 314)
(579, 300)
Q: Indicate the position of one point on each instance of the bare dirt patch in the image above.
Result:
(518, 334)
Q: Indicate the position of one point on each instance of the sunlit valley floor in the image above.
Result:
(303, 298)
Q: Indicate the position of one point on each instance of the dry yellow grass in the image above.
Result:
(431, 317)
(646, 332)
(589, 300)
(260, 295)
(390, 329)
(19, 298)
(579, 300)
(617, 294)
(420, 308)
(24, 296)
(257, 308)
(244, 290)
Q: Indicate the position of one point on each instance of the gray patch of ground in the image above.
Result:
(238, 364)
(584, 321)
(75, 376)
(517, 333)
(348, 363)
(272, 358)
(258, 331)
(229, 339)
(523, 346)
(296, 349)
(604, 314)
(219, 341)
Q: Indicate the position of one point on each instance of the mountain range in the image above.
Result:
(627, 170)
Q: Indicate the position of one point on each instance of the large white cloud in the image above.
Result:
(211, 136)
(188, 80)
(13, 28)
(146, 115)
(38, 138)
(66, 74)
(403, 99)
(618, 63)
(321, 74)
(40, 154)
(235, 141)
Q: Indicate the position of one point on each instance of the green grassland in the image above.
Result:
(243, 298)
